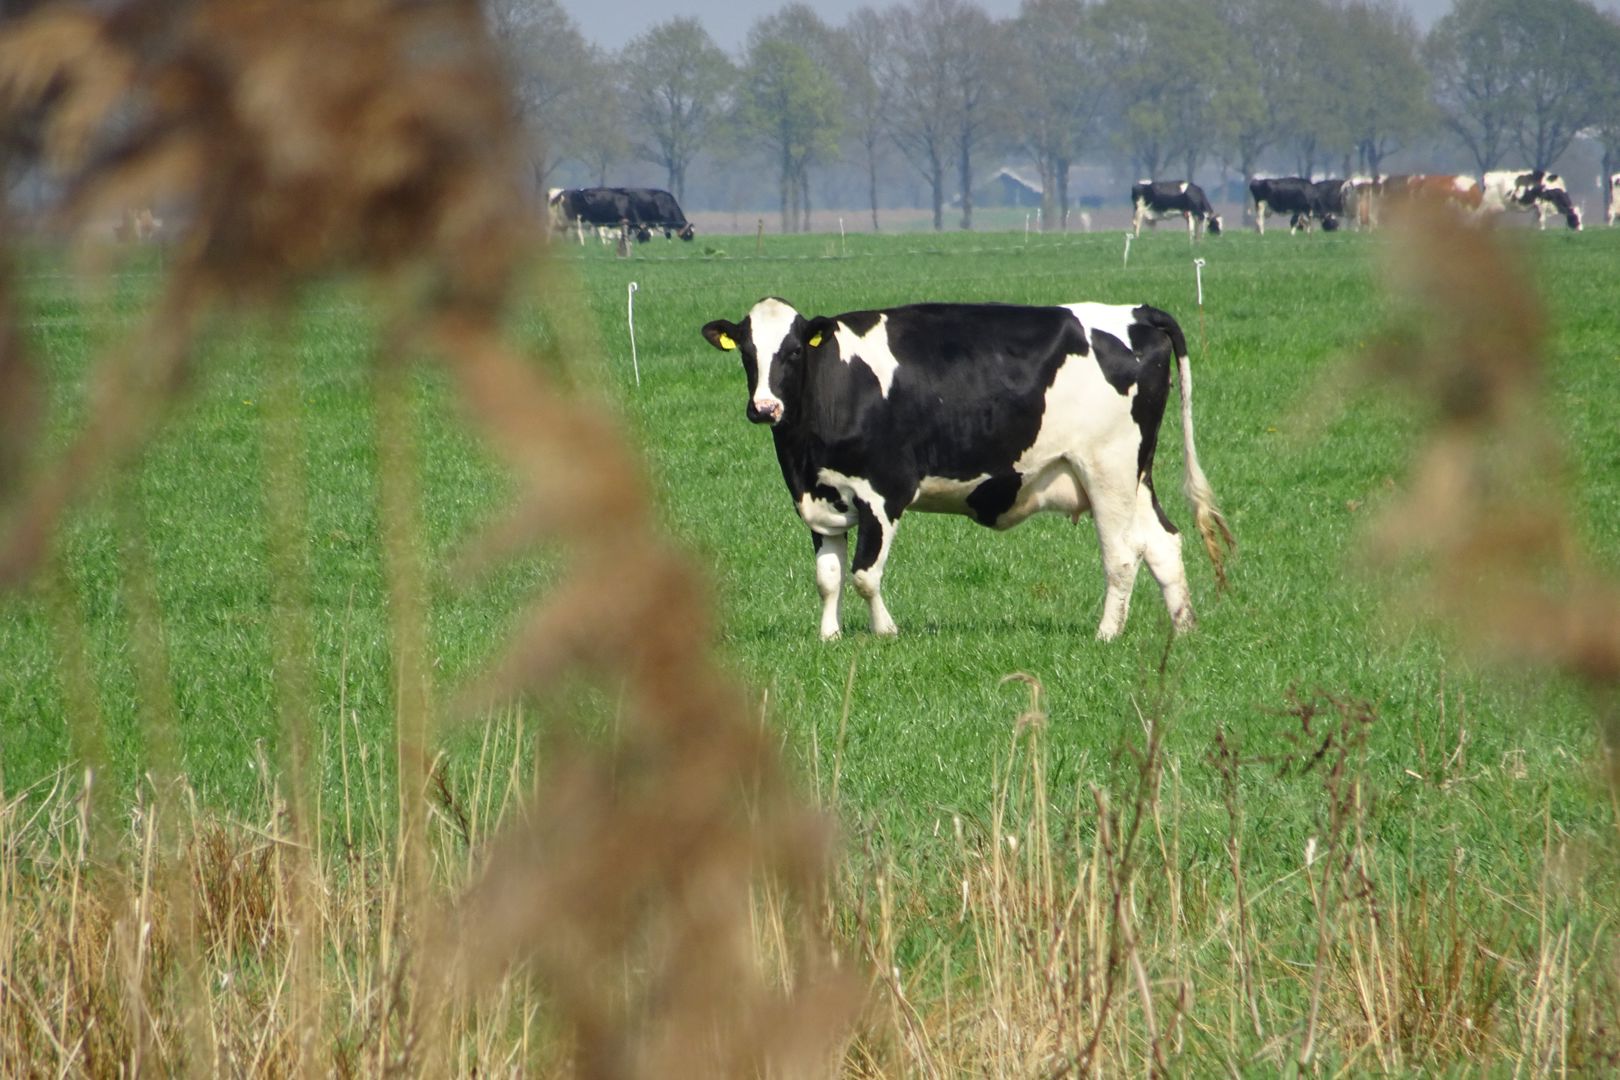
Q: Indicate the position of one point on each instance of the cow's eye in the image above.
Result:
(796, 352)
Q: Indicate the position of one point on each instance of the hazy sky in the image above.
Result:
(611, 23)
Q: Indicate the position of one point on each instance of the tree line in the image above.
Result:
(1166, 86)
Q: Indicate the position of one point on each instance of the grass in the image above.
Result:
(1149, 872)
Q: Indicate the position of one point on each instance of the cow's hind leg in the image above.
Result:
(832, 557)
(1161, 548)
(871, 552)
(1113, 511)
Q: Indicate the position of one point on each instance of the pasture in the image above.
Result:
(1466, 916)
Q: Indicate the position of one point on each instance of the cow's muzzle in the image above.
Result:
(765, 412)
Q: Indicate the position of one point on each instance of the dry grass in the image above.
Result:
(656, 902)
(295, 142)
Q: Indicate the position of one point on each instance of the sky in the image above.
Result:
(612, 23)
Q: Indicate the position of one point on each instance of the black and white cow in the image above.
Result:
(604, 209)
(1613, 194)
(1292, 195)
(1335, 201)
(1155, 199)
(991, 411)
(654, 208)
(635, 211)
(1529, 191)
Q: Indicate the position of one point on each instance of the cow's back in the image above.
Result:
(970, 386)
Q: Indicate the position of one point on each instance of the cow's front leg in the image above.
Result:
(1136, 220)
(871, 552)
(832, 557)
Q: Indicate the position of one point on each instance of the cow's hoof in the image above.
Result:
(886, 630)
(836, 635)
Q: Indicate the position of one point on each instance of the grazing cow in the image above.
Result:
(607, 209)
(1529, 191)
(1366, 193)
(653, 208)
(991, 411)
(637, 211)
(1291, 195)
(1611, 194)
(1460, 191)
(1156, 199)
(1336, 200)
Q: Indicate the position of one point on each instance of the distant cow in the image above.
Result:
(634, 211)
(653, 208)
(601, 208)
(1292, 195)
(1462, 192)
(1611, 195)
(991, 411)
(1529, 191)
(1335, 201)
(1153, 200)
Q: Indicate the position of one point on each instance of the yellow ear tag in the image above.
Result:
(726, 343)
(815, 339)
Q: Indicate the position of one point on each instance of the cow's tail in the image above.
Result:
(1212, 525)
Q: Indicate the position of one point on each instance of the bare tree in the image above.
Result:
(553, 74)
(941, 79)
(789, 102)
(1055, 91)
(916, 75)
(1472, 84)
(975, 45)
(859, 48)
(1530, 78)
(676, 88)
(1172, 77)
(1280, 89)
(1387, 99)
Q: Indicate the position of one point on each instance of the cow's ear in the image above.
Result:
(721, 334)
(818, 329)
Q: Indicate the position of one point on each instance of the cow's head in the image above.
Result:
(1214, 224)
(1330, 222)
(687, 233)
(772, 339)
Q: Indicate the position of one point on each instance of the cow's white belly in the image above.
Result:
(942, 495)
(1054, 489)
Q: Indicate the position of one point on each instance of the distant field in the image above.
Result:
(1472, 779)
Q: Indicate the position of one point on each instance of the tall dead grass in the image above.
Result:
(294, 142)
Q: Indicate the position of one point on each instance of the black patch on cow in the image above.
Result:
(1117, 360)
(994, 497)
(829, 495)
(1164, 520)
(1155, 355)
(861, 322)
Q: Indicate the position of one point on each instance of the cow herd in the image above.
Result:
(1333, 203)
(997, 412)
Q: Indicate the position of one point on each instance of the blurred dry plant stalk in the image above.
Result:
(298, 140)
(1485, 517)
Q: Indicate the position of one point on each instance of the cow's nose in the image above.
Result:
(767, 411)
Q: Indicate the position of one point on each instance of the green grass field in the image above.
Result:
(1478, 783)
